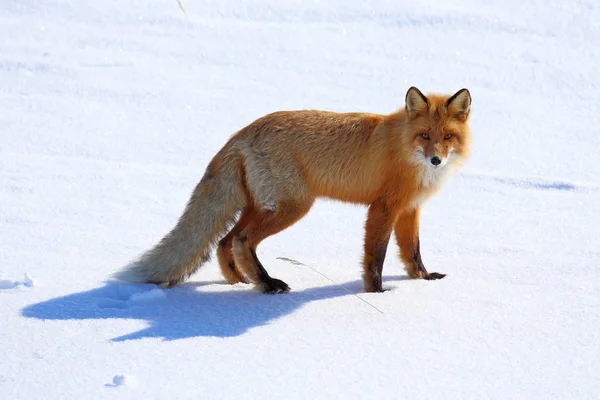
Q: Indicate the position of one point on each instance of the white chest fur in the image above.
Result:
(431, 180)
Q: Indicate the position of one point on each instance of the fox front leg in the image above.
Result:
(380, 222)
(407, 236)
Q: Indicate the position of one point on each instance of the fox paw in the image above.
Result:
(274, 286)
(433, 276)
(373, 285)
(376, 290)
(426, 275)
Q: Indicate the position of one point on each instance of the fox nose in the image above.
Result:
(436, 160)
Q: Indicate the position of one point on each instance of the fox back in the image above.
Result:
(359, 157)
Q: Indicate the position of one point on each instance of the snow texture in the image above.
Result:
(111, 110)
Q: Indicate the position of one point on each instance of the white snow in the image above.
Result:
(111, 110)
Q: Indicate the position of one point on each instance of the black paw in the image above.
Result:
(373, 284)
(434, 276)
(378, 290)
(274, 286)
(375, 289)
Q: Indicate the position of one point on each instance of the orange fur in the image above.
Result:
(273, 170)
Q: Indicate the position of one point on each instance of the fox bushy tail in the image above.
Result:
(211, 209)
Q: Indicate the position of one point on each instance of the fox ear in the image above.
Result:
(416, 102)
(459, 104)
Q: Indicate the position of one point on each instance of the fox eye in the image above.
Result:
(425, 136)
(447, 136)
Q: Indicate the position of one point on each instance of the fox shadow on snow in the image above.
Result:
(185, 311)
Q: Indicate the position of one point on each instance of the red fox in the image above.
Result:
(269, 174)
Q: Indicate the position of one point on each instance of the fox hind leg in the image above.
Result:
(263, 224)
(229, 268)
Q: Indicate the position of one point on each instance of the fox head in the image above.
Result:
(437, 128)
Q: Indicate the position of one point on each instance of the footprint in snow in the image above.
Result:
(122, 380)
(9, 284)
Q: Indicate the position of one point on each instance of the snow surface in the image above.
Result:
(111, 110)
